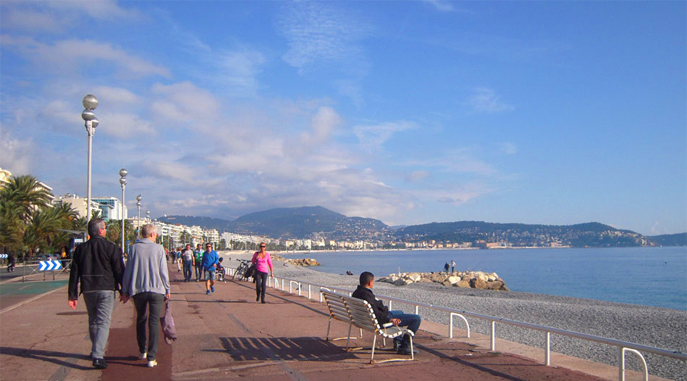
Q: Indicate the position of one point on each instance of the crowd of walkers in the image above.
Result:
(98, 272)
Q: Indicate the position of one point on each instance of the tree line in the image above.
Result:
(30, 224)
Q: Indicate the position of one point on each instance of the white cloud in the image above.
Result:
(457, 194)
(323, 125)
(485, 100)
(116, 95)
(237, 70)
(316, 32)
(100, 9)
(16, 18)
(124, 125)
(16, 154)
(417, 176)
(441, 5)
(58, 15)
(509, 148)
(186, 102)
(68, 56)
(377, 135)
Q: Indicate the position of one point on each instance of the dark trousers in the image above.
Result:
(153, 302)
(188, 265)
(260, 284)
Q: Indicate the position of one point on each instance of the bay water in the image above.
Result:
(649, 276)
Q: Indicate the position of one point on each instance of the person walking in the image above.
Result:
(397, 317)
(178, 258)
(446, 267)
(198, 260)
(210, 260)
(453, 266)
(11, 262)
(187, 258)
(146, 280)
(263, 263)
(98, 265)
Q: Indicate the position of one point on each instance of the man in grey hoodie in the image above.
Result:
(146, 279)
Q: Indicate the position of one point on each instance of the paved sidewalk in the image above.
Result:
(228, 335)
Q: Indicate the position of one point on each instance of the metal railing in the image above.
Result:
(624, 346)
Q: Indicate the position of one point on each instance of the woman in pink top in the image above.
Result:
(262, 262)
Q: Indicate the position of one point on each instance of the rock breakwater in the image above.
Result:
(466, 279)
(303, 262)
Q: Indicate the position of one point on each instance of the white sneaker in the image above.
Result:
(152, 363)
(144, 355)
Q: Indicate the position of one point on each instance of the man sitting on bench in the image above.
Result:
(412, 321)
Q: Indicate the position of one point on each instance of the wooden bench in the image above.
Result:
(358, 313)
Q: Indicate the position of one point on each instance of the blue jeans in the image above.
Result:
(152, 319)
(411, 321)
(260, 285)
(99, 305)
(187, 270)
(199, 271)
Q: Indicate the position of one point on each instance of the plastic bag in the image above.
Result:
(167, 322)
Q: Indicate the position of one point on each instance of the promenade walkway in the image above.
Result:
(227, 335)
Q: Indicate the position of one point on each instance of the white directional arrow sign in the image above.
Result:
(49, 265)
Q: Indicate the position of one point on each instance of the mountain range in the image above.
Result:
(318, 222)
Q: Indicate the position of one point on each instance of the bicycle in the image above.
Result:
(241, 270)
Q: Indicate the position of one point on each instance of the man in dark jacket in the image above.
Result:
(98, 265)
(412, 321)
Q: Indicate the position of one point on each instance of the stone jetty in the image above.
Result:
(466, 279)
(303, 262)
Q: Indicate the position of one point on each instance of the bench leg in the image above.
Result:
(374, 344)
(412, 352)
(348, 340)
(328, 327)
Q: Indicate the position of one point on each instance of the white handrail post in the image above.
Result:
(547, 356)
(417, 310)
(299, 288)
(450, 326)
(309, 296)
(621, 369)
(390, 304)
(493, 335)
(622, 363)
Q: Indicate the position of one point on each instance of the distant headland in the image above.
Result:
(317, 228)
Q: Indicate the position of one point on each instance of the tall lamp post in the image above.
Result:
(90, 103)
(138, 205)
(122, 180)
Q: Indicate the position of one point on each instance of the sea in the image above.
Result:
(648, 276)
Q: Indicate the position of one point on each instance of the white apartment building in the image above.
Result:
(110, 208)
(77, 203)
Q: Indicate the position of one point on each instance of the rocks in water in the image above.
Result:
(467, 279)
(303, 262)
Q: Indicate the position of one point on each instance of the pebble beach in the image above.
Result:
(652, 326)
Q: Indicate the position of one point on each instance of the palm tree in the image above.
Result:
(20, 200)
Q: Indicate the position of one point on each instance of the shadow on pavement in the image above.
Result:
(59, 358)
(281, 348)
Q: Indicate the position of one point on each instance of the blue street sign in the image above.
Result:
(49, 265)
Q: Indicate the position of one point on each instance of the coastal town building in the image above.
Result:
(110, 208)
(79, 204)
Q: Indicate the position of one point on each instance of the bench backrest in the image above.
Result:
(352, 310)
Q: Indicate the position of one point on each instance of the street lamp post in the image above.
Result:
(90, 103)
(138, 205)
(122, 180)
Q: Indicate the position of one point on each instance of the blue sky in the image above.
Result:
(406, 111)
